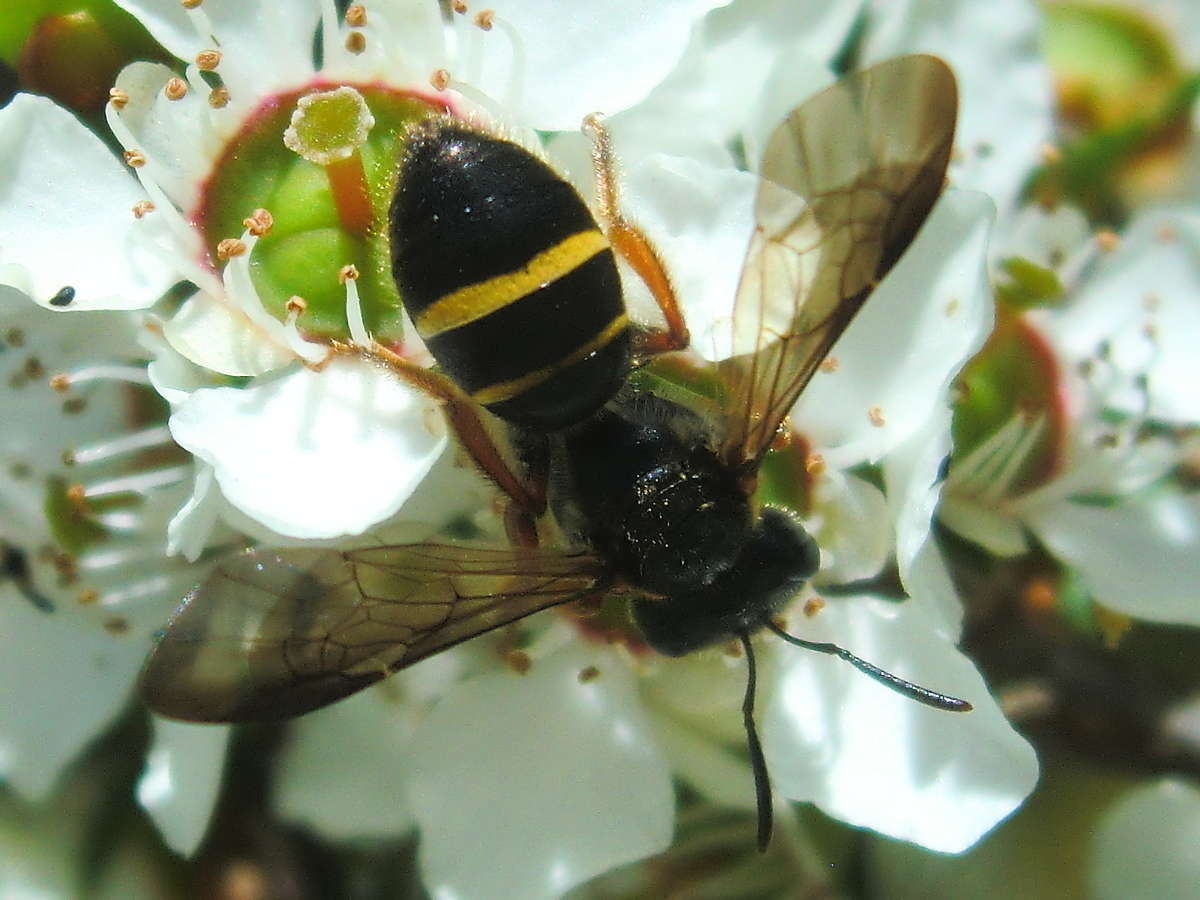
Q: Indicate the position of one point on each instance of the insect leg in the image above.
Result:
(628, 240)
(463, 415)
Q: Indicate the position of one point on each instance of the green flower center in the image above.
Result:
(313, 236)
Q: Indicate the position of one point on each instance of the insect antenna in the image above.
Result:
(758, 762)
(896, 683)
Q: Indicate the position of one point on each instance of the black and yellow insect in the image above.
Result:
(656, 498)
(506, 274)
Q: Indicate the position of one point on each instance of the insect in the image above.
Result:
(656, 497)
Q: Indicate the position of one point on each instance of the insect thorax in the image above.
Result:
(656, 503)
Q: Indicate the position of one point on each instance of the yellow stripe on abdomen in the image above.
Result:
(483, 298)
(506, 390)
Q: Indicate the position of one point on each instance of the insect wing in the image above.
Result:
(848, 178)
(275, 634)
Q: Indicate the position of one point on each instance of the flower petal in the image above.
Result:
(263, 46)
(585, 58)
(1145, 845)
(45, 725)
(66, 213)
(1006, 101)
(182, 779)
(315, 454)
(343, 772)
(897, 358)
(700, 217)
(1150, 281)
(526, 786)
(876, 759)
(1141, 557)
(208, 333)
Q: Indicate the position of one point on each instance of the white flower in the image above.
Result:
(78, 221)
(1006, 112)
(562, 772)
(1118, 355)
(90, 479)
(1143, 845)
(566, 772)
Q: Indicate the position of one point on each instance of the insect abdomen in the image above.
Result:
(509, 280)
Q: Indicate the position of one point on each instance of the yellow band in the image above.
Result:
(506, 390)
(483, 298)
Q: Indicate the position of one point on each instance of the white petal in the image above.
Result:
(1146, 844)
(547, 781)
(189, 529)
(66, 215)
(263, 46)
(700, 217)
(745, 66)
(584, 58)
(175, 135)
(343, 769)
(210, 334)
(182, 778)
(62, 681)
(1005, 98)
(1151, 280)
(874, 758)
(315, 454)
(1141, 557)
(928, 583)
(900, 353)
(854, 532)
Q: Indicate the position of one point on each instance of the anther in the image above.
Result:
(814, 464)
(829, 364)
(135, 158)
(218, 97)
(1107, 240)
(588, 673)
(518, 661)
(875, 414)
(190, 4)
(813, 605)
(259, 222)
(356, 15)
(348, 272)
(34, 369)
(208, 60)
(175, 89)
(230, 247)
(296, 304)
(61, 382)
(77, 495)
(118, 97)
(356, 42)
(486, 19)
(440, 79)
(1051, 154)
(141, 208)
(459, 6)
(88, 597)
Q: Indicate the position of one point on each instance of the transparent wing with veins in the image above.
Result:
(848, 178)
(277, 633)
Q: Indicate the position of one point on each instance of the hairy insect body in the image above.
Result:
(672, 521)
(508, 278)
